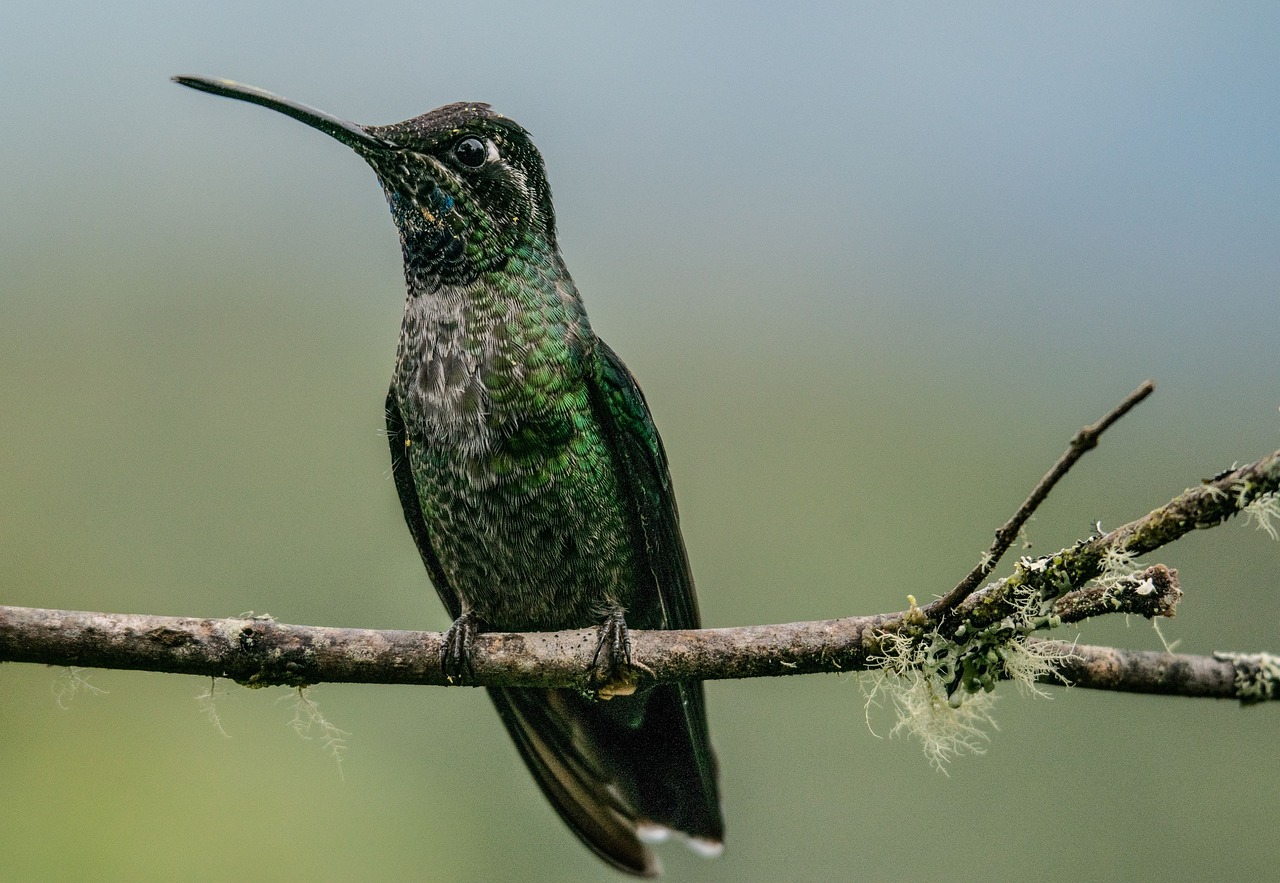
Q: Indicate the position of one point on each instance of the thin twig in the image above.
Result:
(1085, 440)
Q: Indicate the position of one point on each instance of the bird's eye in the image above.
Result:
(471, 152)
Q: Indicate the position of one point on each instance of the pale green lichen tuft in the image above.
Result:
(208, 704)
(941, 687)
(924, 712)
(1263, 513)
(1257, 675)
(1214, 491)
(307, 719)
(70, 683)
(1116, 564)
(1026, 662)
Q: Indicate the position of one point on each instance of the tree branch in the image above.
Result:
(1247, 677)
(988, 636)
(260, 652)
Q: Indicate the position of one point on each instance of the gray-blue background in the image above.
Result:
(873, 266)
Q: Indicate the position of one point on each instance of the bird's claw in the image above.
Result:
(455, 651)
(612, 673)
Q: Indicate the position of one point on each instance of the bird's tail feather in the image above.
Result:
(621, 773)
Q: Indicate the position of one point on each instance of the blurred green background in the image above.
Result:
(873, 266)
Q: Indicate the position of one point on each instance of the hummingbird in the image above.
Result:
(532, 478)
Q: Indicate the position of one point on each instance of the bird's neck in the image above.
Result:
(508, 345)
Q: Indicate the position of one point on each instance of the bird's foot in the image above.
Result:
(612, 673)
(455, 653)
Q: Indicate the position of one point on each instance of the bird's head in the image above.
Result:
(466, 186)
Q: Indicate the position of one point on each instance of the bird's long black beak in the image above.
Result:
(350, 134)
